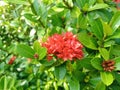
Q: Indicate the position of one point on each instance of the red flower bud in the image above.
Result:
(108, 65)
(12, 60)
(36, 56)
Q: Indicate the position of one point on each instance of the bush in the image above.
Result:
(59, 45)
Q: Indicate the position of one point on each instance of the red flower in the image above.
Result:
(12, 60)
(118, 3)
(65, 46)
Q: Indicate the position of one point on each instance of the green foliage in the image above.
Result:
(97, 63)
(74, 85)
(7, 83)
(60, 71)
(107, 78)
(101, 86)
(26, 24)
(41, 51)
(115, 21)
(87, 40)
(25, 51)
(104, 53)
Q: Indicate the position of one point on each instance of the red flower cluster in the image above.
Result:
(65, 46)
(118, 3)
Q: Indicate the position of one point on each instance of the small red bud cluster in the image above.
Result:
(36, 56)
(108, 65)
(12, 60)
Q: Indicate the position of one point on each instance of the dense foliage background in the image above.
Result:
(26, 24)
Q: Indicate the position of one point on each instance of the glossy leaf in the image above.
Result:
(100, 86)
(82, 22)
(74, 85)
(98, 6)
(25, 51)
(81, 3)
(94, 81)
(40, 9)
(117, 63)
(104, 53)
(86, 63)
(107, 30)
(115, 50)
(115, 21)
(109, 43)
(30, 17)
(3, 83)
(60, 71)
(91, 2)
(75, 12)
(97, 28)
(97, 63)
(36, 7)
(10, 82)
(39, 50)
(1, 44)
(19, 2)
(36, 46)
(107, 78)
(116, 34)
(87, 41)
(47, 63)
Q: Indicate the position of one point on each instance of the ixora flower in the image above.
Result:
(64, 46)
(118, 3)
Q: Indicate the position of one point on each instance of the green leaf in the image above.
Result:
(98, 6)
(97, 63)
(117, 63)
(18, 2)
(109, 43)
(1, 44)
(36, 7)
(100, 86)
(117, 76)
(81, 3)
(86, 63)
(74, 84)
(60, 71)
(115, 35)
(107, 78)
(3, 83)
(91, 2)
(47, 63)
(30, 17)
(40, 9)
(100, 1)
(25, 51)
(115, 50)
(87, 40)
(107, 30)
(94, 81)
(82, 22)
(97, 28)
(39, 50)
(104, 53)
(115, 21)
(10, 82)
(75, 12)
(36, 46)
